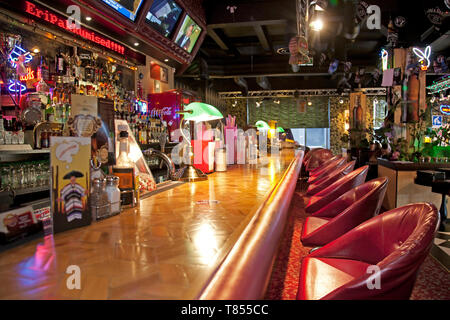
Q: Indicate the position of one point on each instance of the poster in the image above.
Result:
(70, 162)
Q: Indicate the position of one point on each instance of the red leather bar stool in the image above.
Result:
(379, 259)
(333, 165)
(337, 189)
(318, 157)
(333, 176)
(324, 165)
(345, 213)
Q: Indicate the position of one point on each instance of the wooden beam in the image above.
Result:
(263, 39)
(212, 33)
(253, 23)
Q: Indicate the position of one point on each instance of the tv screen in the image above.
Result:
(129, 8)
(163, 16)
(188, 34)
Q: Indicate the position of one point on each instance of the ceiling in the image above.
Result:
(252, 42)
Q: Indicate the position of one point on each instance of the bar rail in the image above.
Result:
(245, 272)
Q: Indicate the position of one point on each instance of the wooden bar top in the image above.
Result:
(412, 166)
(167, 248)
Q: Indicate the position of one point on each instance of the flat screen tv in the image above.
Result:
(163, 16)
(188, 34)
(129, 8)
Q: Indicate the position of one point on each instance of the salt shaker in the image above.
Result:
(113, 191)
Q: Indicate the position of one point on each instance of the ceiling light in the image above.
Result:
(316, 25)
(258, 104)
(341, 101)
(166, 60)
(309, 103)
(136, 44)
(88, 18)
(36, 50)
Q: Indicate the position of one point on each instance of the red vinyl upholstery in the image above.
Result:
(325, 164)
(337, 189)
(396, 242)
(345, 213)
(318, 157)
(333, 176)
(326, 169)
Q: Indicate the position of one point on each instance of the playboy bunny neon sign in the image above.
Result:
(424, 57)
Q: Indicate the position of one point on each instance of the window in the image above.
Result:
(312, 137)
(379, 113)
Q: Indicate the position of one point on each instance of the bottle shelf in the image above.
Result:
(20, 192)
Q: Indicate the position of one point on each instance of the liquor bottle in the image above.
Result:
(359, 115)
(149, 133)
(50, 112)
(60, 64)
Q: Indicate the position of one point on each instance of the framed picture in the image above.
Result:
(164, 75)
(157, 87)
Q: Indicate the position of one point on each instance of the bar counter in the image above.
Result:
(401, 188)
(169, 247)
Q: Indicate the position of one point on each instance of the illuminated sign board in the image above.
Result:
(42, 13)
(445, 109)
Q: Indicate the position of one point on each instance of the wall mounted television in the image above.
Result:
(163, 16)
(128, 8)
(188, 34)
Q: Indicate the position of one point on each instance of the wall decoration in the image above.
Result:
(164, 75)
(70, 162)
(424, 57)
(384, 59)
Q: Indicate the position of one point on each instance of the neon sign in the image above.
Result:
(384, 59)
(424, 57)
(445, 109)
(29, 76)
(16, 86)
(44, 14)
(16, 53)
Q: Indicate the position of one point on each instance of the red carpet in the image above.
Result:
(433, 281)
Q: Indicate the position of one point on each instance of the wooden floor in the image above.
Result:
(165, 249)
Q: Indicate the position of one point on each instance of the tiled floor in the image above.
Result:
(441, 249)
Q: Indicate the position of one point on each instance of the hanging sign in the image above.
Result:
(61, 22)
(445, 109)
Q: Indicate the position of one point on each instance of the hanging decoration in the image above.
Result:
(424, 57)
(400, 21)
(440, 65)
(15, 86)
(384, 59)
(16, 53)
(445, 109)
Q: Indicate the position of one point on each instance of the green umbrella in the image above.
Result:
(280, 129)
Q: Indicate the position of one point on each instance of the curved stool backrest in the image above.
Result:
(333, 176)
(325, 170)
(347, 212)
(397, 242)
(317, 170)
(317, 158)
(336, 189)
